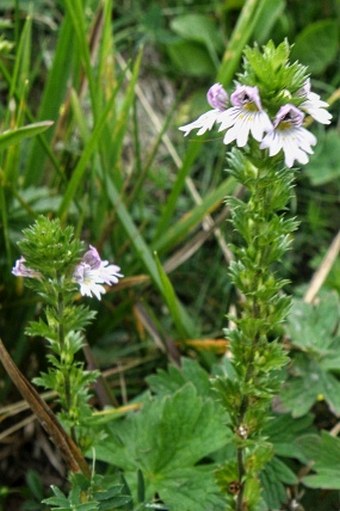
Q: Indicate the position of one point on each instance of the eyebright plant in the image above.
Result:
(264, 117)
(56, 266)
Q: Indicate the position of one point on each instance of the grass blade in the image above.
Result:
(51, 102)
(157, 274)
(190, 220)
(181, 318)
(91, 146)
(15, 136)
(179, 184)
(242, 32)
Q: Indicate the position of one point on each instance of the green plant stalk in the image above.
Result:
(257, 321)
(65, 367)
(255, 307)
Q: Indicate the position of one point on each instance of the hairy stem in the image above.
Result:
(65, 368)
(258, 201)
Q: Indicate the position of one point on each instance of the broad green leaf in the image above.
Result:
(327, 480)
(326, 464)
(188, 489)
(316, 46)
(309, 385)
(198, 27)
(15, 136)
(312, 327)
(191, 59)
(274, 478)
(166, 440)
(283, 431)
(324, 166)
(309, 446)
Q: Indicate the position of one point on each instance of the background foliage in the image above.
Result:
(116, 81)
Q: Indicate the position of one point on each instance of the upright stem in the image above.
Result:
(253, 308)
(63, 358)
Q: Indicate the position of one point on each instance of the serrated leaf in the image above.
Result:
(273, 478)
(188, 489)
(310, 385)
(283, 431)
(165, 441)
(312, 327)
(167, 382)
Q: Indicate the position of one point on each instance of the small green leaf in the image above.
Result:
(15, 136)
(316, 46)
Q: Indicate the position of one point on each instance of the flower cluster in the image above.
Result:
(90, 274)
(246, 116)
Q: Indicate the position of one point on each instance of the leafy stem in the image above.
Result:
(257, 355)
(257, 205)
(64, 356)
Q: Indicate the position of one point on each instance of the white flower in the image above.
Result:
(244, 117)
(313, 105)
(217, 98)
(92, 272)
(289, 135)
(89, 281)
